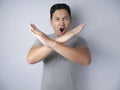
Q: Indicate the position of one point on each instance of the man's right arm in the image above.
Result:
(39, 53)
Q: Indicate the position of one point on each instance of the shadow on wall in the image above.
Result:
(77, 17)
(82, 72)
(2, 86)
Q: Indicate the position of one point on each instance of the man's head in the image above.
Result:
(60, 15)
(58, 7)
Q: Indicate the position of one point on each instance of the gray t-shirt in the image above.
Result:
(58, 72)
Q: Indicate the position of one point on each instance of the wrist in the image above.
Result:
(52, 43)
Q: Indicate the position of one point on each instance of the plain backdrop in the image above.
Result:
(102, 33)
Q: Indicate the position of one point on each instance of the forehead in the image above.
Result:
(60, 13)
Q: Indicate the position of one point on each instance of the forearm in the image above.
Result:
(70, 34)
(36, 53)
(78, 55)
(39, 53)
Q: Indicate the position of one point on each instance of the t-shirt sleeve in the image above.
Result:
(80, 41)
(37, 43)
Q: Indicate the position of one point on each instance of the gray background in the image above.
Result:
(102, 32)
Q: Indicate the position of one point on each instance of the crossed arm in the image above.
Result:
(80, 55)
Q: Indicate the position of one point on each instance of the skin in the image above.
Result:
(60, 19)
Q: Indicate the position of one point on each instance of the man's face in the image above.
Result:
(61, 22)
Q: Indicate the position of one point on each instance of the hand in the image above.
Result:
(64, 38)
(45, 40)
(77, 29)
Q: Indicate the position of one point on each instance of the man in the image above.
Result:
(60, 51)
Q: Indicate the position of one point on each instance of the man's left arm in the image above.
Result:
(80, 54)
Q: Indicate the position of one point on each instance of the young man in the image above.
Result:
(60, 51)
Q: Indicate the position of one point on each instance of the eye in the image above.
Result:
(66, 18)
(56, 19)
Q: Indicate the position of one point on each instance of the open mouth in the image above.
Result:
(61, 29)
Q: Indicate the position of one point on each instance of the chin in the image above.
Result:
(60, 35)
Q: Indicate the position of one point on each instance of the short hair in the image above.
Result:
(60, 6)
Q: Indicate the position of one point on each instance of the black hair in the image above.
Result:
(60, 6)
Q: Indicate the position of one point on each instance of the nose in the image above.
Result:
(62, 23)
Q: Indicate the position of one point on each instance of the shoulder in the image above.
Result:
(52, 35)
(79, 40)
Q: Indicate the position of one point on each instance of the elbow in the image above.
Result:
(85, 57)
(29, 60)
(87, 61)
(33, 60)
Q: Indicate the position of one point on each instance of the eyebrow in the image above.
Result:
(63, 17)
(56, 17)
